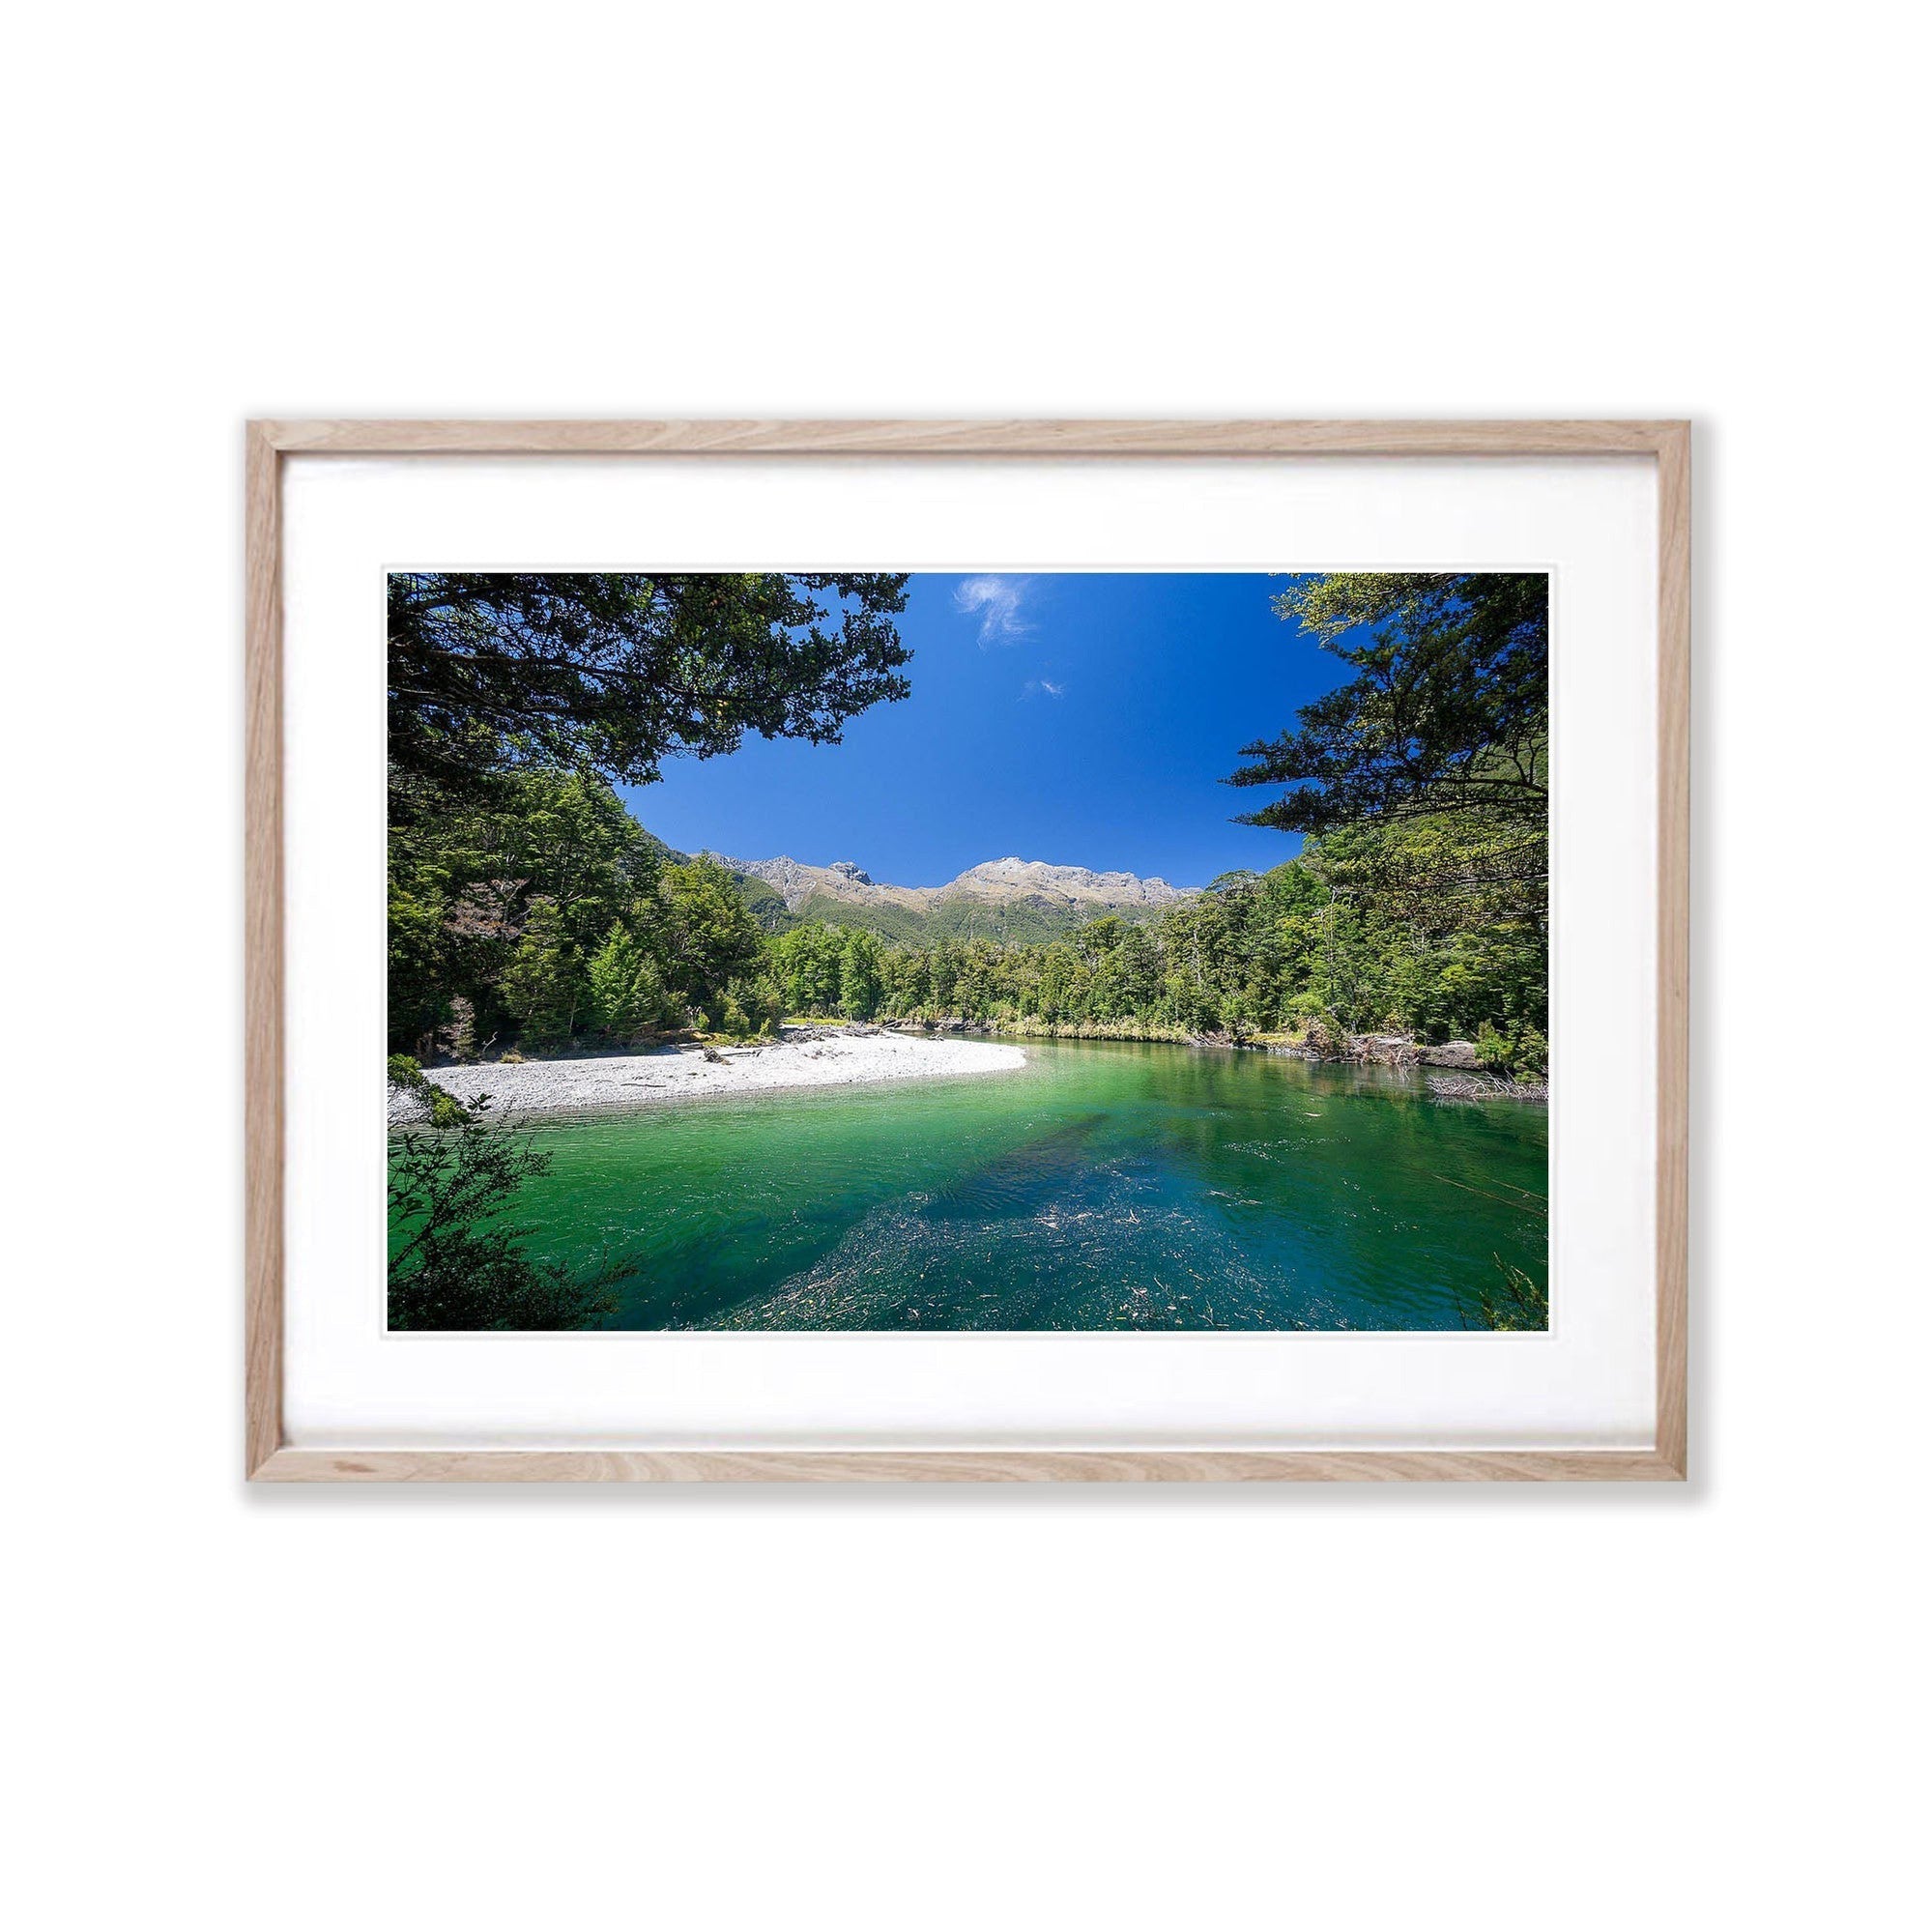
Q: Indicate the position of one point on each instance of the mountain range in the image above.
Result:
(1008, 899)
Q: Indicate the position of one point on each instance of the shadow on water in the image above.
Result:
(1025, 1177)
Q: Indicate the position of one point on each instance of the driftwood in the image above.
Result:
(1485, 1087)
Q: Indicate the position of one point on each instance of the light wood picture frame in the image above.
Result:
(270, 1457)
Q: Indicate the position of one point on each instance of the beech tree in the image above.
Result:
(614, 672)
(627, 991)
(710, 933)
(859, 981)
(1449, 710)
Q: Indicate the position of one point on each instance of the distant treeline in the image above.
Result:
(1309, 944)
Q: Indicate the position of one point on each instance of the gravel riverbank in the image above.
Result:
(685, 1073)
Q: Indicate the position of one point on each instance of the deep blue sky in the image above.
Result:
(1081, 719)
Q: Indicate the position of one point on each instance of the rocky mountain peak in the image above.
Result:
(1077, 890)
(1071, 881)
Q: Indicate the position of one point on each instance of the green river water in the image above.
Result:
(1103, 1186)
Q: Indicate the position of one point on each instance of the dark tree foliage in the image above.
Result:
(1448, 712)
(461, 1267)
(614, 672)
(1440, 872)
(503, 895)
(546, 913)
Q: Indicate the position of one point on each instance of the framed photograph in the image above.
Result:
(968, 951)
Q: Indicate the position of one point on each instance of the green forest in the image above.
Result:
(551, 918)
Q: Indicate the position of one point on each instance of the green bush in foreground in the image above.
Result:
(461, 1267)
(1519, 1305)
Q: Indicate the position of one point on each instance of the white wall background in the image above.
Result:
(1216, 1710)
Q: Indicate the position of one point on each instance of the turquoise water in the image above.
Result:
(1105, 1186)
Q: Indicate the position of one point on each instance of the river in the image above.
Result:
(1103, 1186)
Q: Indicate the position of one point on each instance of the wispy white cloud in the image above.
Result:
(1042, 687)
(996, 602)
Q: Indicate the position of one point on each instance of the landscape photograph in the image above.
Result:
(919, 951)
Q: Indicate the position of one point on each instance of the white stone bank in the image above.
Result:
(685, 1073)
